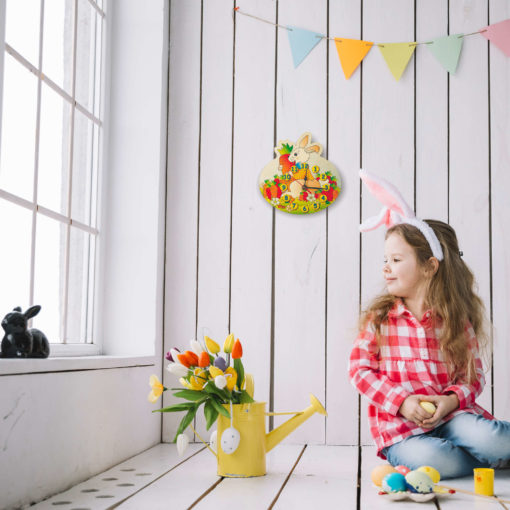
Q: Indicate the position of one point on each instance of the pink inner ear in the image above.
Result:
(384, 196)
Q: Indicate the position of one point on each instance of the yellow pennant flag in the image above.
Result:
(397, 56)
(351, 52)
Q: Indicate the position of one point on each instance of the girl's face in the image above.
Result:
(404, 277)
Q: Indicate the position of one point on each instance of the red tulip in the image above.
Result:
(237, 350)
(203, 360)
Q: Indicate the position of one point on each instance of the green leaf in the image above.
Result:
(239, 368)
(186, 421)
(175, 408)
(245, 398)
(219, 408)
(212, 389)
(210, 413)
(190, 394)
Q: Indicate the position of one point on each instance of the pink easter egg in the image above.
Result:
(403, 470)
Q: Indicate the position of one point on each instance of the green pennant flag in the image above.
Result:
(447, 50)
(397, 56)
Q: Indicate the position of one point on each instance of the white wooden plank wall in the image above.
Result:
(290, 286)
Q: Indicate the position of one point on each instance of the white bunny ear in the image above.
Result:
(387, 194)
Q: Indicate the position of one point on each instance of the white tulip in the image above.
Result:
(174, 353)
(196, 347)
(220, 381)
(177, 369)
(182, 443)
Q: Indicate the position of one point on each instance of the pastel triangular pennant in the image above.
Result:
(397, 56)
(351, 52)
(447, 50)
(302, 42)
(499, 35)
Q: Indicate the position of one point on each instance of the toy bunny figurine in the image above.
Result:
(20, 342)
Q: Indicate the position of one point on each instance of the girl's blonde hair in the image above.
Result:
(451, 296)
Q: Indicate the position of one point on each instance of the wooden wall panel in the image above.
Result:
(469, 154)
(182, 186)
(300, 241)
(500, 207)
(343, 264)
(387, 135)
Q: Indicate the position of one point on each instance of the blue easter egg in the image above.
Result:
(394, 482)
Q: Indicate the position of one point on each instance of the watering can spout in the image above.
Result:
(278, 434)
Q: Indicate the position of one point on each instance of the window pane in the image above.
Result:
(81, 277)
(22, 24)
(18, 129)
(82, 164)
(86, 54)
(16, 233)
(54, 135)
(49, 275)
(58, 42)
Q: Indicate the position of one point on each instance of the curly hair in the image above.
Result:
(451, 295)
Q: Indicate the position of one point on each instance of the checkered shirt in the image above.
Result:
(408, 361)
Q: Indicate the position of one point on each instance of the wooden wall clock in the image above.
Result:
(299, 180)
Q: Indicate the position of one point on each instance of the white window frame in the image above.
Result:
(63, 348)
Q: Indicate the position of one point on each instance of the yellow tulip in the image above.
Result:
(185, 383)
(232, 380)
(157, 389)
(229, 343)
(199, 379)
(215, 371)
(211, 345)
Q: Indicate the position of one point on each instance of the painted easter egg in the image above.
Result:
(230, 440)
(394, 482)
(418, 481)
(429, 407)
(402, 469)
(433, 473)
(379, 472)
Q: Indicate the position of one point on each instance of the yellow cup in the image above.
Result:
(484, 481)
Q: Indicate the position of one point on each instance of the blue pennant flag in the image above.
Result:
(447, 51)
(302, 42)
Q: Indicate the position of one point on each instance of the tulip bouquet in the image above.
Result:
(207, 377)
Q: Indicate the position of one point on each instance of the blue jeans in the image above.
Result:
(456, 447)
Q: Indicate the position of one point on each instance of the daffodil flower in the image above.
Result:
(229, 343)
(157, 389)
(211, 345)
(230, 374)
(196, 382)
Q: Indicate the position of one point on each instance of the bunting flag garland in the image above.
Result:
(499, 35)
(351, 52)
(302, 42)
(447, 51)
(397, 56)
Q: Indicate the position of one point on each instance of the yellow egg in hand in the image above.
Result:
(429, 407)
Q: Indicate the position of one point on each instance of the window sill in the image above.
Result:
(17, 366)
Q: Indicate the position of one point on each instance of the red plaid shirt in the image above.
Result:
(408, 361)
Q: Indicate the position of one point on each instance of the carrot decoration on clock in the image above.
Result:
(299, 180)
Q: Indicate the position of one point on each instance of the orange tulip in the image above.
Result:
(191, 357)
(183, 360)
(237, 350)
(203, 360)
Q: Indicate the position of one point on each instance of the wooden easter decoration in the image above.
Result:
(299, 180)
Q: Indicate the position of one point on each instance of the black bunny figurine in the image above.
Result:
(20, 342)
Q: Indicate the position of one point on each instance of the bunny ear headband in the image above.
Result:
(395, 211)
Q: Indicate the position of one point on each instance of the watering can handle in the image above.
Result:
(250, 384)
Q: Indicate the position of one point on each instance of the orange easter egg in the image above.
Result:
(379, 472)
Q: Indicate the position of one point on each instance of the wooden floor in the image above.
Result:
(299, 477)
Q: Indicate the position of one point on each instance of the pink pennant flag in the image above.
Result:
(499, 35)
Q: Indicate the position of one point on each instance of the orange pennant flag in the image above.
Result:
(351, 52)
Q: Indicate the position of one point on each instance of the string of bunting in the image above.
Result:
(351, 52)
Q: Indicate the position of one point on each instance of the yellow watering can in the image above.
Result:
(249, 457)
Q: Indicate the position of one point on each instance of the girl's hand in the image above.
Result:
(413, 411)
(445, 404)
